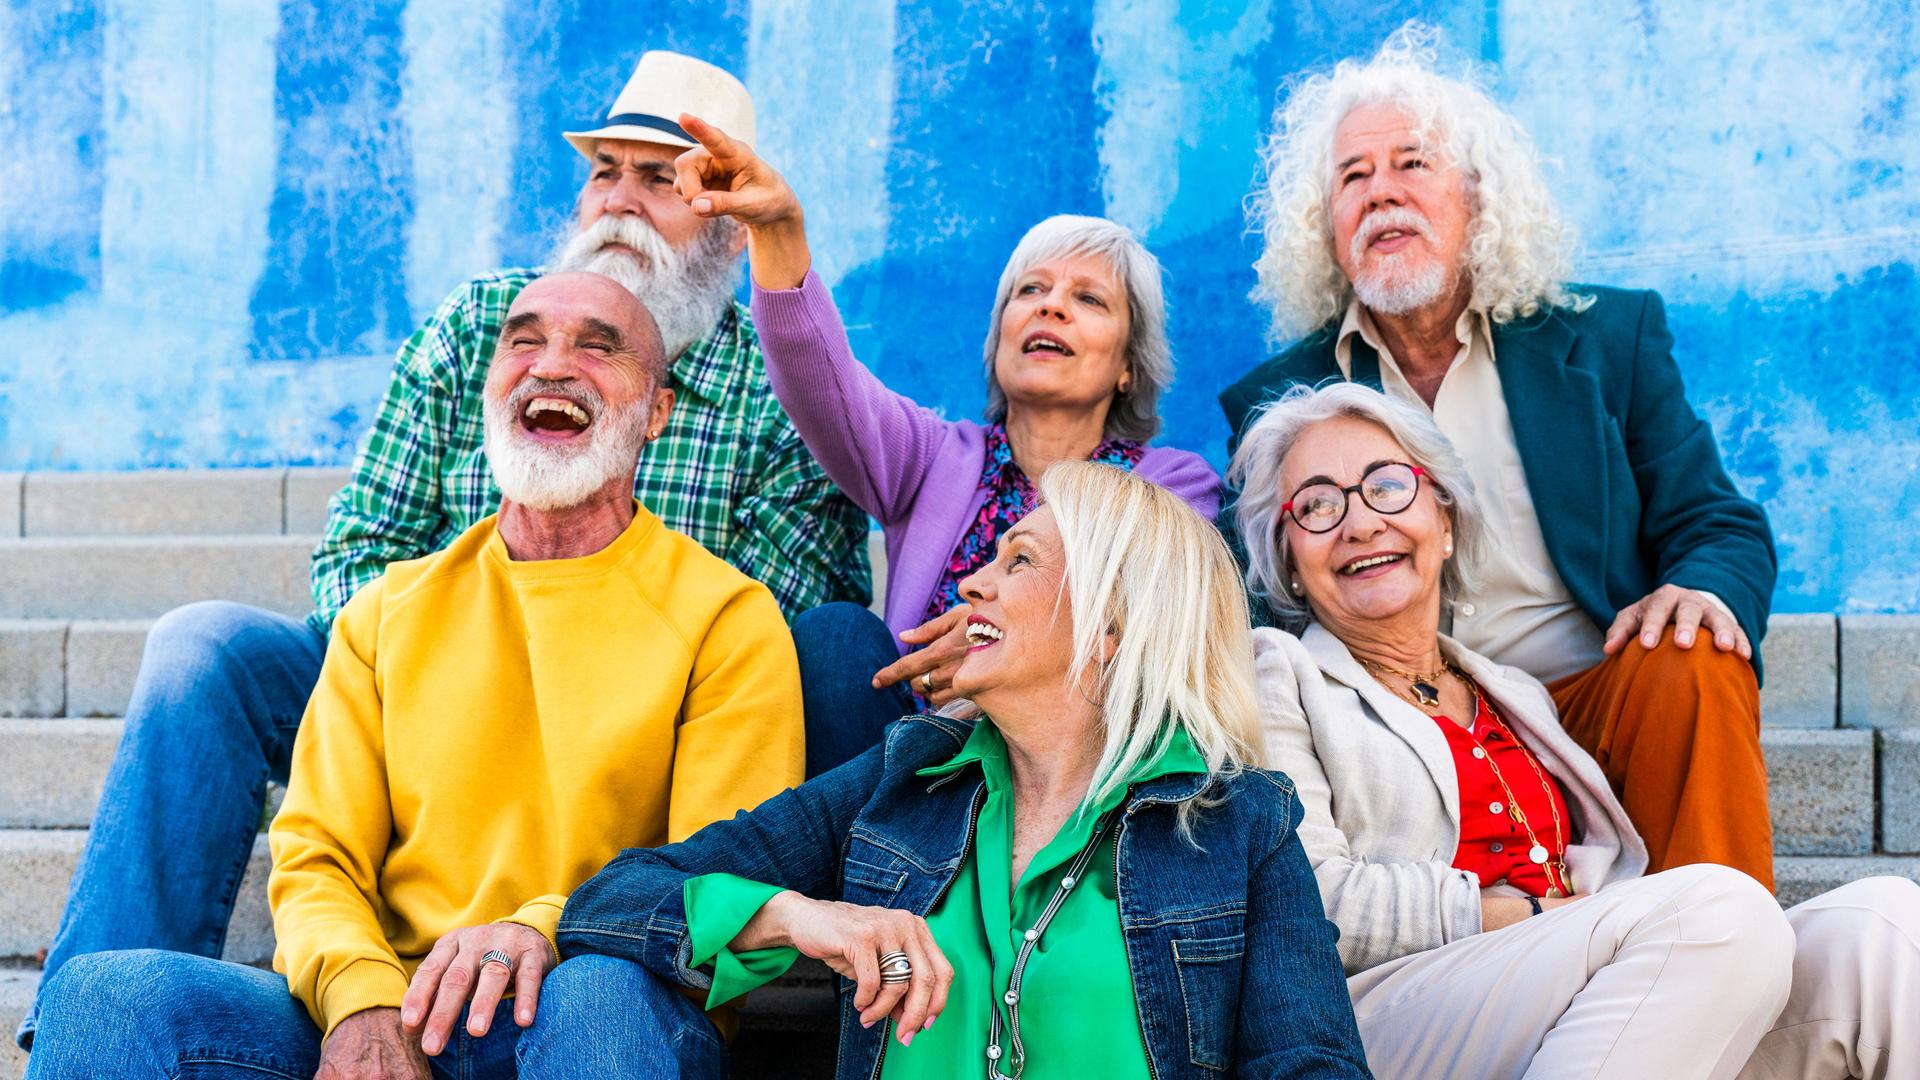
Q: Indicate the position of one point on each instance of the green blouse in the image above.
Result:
(1078, 1016)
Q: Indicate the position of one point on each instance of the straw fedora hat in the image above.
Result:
(664, 85)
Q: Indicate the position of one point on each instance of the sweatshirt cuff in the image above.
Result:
(542, 913)
(718, 907)
(792, 313)
(361, 985)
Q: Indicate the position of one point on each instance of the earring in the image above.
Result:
(1449, 550)
(1296, 587)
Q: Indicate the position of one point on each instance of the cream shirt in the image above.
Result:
(1521, 614)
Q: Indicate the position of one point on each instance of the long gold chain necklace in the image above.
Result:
(1426, 694)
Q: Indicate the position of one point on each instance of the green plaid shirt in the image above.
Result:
(729, 470)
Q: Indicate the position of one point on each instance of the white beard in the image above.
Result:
(543, 477)
(1387, 283)
(687, 291)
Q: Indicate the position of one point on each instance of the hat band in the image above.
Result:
(646, 120)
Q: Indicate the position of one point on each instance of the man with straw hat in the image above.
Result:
(223, 687)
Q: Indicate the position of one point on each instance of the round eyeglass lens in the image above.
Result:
(1320, 507)
(1389, 488)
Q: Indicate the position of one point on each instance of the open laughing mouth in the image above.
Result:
(550, 418)
(981, 634)
(1371, 565)
(1041, 343)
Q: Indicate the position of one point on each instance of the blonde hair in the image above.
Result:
(1519, 251)
(1143, 566)
(1135, 414)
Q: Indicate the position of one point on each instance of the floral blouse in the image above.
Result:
(1010, 497)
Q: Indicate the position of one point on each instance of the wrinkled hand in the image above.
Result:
(1687, 610)
(452, 973)
(723, 176)
(371, 1045)
(940, 659)
(851, 939)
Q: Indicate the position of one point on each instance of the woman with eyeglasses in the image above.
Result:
(1496, 918)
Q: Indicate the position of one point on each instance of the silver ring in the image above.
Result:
(895, 968)
(495, 956)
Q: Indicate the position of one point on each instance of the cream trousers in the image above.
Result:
(1690, 973)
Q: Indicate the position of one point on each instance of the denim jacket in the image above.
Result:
(1234, 966)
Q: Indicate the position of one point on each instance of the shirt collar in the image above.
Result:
(1358, 320)
(986, 748)
(708, 366)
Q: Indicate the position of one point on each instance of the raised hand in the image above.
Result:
(723, 177)
(851, 939)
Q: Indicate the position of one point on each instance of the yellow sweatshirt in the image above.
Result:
(486, 734)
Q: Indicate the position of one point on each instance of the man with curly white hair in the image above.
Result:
(1410, 237)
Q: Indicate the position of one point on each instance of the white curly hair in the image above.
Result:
(1519, 251)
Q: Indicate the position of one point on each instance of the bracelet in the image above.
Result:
(1534, 903)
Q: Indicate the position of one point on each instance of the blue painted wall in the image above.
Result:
(217, 221)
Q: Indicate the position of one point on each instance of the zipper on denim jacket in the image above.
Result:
(966, 848)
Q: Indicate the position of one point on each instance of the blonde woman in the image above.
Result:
(1088, 880)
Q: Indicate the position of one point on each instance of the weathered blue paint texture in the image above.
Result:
(218, 220)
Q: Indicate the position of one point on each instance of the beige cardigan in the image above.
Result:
(1382, 802)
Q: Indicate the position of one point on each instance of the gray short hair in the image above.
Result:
(1135, 414)
(1519, 250)
(1256, 465)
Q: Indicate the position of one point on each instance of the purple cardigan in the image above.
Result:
(916, 473)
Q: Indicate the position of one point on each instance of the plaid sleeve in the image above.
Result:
(391, 508)
(797, 533)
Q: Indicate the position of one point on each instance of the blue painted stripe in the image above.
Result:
(50, 203)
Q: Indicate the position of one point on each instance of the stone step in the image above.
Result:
(16, 994)
(143, 577)
(1820, 790)
(37, 864)
(1798, 878)
(60, 667)
(53, 771)
(167, 502)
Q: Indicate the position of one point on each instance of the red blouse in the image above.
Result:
(1492, 844)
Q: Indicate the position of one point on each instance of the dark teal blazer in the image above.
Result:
(1625, 477)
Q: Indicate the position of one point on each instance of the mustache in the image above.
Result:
(628, 230)
(580, 393)
(1380, 221)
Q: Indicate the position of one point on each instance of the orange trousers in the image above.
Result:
(1677, 732)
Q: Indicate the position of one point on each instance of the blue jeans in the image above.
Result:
(149, 1013)
(841, 645)
(220, 694)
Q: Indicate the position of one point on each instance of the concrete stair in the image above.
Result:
(88, 561)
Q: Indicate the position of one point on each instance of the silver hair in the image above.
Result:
(1519, 250)
(686, 289)
(1135, 414)
(1256, 466)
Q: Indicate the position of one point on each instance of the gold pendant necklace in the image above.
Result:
(1426, 688)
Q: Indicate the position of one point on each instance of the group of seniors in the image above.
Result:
(1487, 800)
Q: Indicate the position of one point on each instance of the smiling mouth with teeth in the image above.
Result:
(556, 415)
(1045, 343)
(982, 633)
(1369, 563)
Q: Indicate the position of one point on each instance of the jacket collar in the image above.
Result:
(1414, 727)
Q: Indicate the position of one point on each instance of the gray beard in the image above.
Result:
(550, 478)
(1391, 293)
(687, 291)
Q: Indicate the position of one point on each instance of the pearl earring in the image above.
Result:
(1449, 550)
(1296, 586)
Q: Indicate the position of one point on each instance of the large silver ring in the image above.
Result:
(495, 956)
(895, 968)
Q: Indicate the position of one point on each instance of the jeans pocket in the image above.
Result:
(1209, 970)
